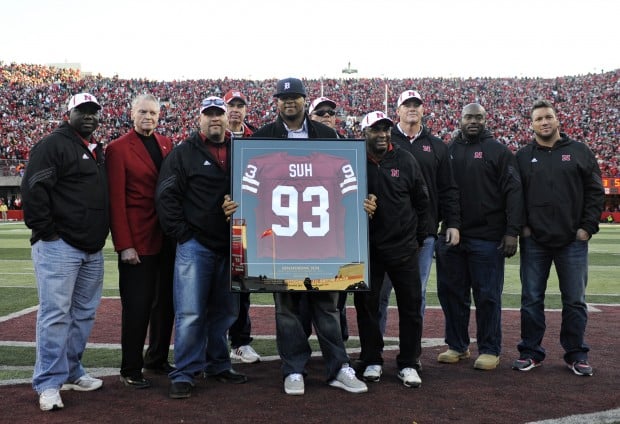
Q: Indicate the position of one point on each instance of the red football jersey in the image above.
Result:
(300, 201)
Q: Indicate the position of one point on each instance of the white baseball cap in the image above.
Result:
(408, 94)
(80, 99)
(320, 100)
(373, 117)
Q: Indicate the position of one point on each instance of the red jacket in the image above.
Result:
(132, 177)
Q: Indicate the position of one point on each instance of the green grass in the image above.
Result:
(18, 291)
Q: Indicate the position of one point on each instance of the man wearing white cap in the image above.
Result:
(323, 110)
(432, 155)
(402, 198)
(66, 205)
(194, 208)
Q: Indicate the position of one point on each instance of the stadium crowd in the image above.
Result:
(32, 97)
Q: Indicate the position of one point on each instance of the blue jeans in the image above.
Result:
(425, 261)
(205, 308)
(474, 266)
(291, 338)
(571, 264)
(69, 284)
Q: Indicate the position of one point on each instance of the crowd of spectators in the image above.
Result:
(33, 98)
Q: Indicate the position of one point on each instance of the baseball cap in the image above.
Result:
(408, 94)
(212, 101)
(290, 86)
(235, 94)
(319, 101)
(374, 117)
(80, 99)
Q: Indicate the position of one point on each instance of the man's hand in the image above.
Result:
(130, 256)
(508, 246)
(370, 205)
(229, 207)
(583, 235)
(453, 236)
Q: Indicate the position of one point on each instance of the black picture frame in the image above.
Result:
(300, 224)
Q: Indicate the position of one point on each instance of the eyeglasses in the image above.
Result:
(324, 112)
(212, 102)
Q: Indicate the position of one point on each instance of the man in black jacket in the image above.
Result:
(292, 340)
(564, 199)
(491, 214)
(397, 229)
(66, 204)
(432, 155)
(194, 207)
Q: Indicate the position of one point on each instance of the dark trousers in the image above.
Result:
(146, 298)
(239, 333)
(405, 276)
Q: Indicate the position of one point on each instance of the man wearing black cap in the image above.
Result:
(66, 204)
(292, 341)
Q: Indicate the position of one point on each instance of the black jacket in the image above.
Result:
(277, 129)
(402, 205)
(432, 156)
(190, 193)
(65, 191)
(563, 190)
(490, 187)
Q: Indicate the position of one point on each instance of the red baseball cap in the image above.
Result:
(235, 94)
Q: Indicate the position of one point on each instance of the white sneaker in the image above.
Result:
(347, 380)
(50, 399)
(372, 373)
(245, 354)
(410, 377)
(294, 384)
(85, 383)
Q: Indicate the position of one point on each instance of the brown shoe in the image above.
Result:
(451, 356)
(486, 362)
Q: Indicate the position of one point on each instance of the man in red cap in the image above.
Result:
(239, 333)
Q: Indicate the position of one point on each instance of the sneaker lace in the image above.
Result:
(295, 377)
(348, 372)
(408, 372)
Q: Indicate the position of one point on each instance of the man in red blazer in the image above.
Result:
(145, 255)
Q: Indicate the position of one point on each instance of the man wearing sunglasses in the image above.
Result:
(194, 207)
(323, 110)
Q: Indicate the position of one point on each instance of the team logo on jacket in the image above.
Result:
(477, 155)
(206, 163)
(426, 148)
(565, 158)
(395, 173)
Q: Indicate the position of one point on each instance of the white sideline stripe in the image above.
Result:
(19, 313)
(603, 417)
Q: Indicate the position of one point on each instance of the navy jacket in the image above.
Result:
(432, 156)
(490, 187)
(563, 190)
(65, 191)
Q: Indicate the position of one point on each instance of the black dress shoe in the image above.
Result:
(180, 390)
(138, 382)
(229, 376)
(164, 368)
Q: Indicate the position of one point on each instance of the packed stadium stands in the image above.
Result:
(33, 99)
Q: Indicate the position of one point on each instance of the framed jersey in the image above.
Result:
(300, 224)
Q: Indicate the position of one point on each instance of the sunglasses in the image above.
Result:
(212, 102)
(324, 112)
